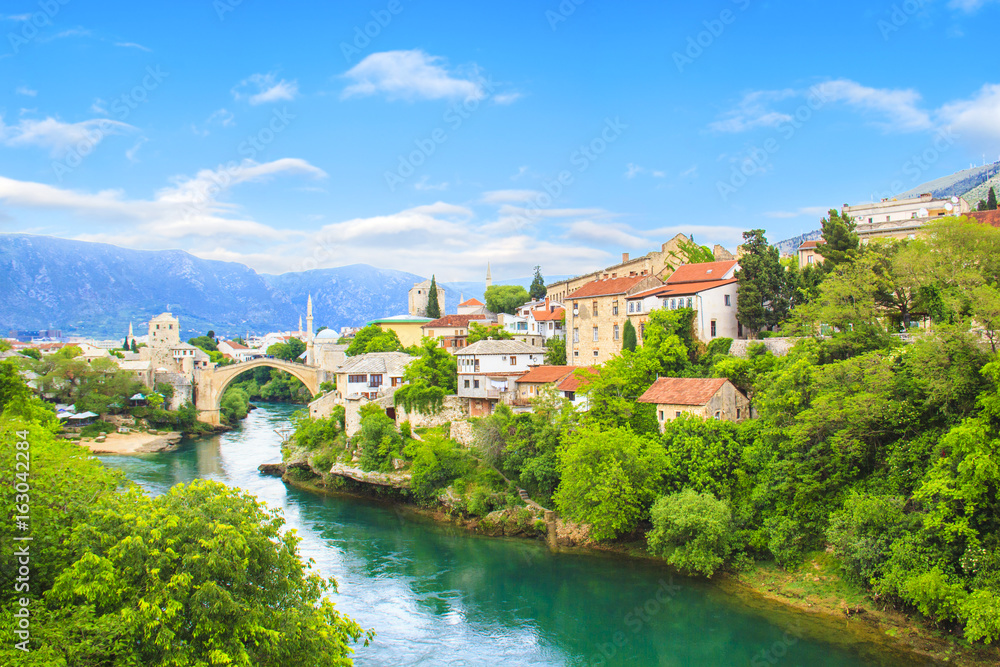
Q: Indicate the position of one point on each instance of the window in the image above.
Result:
(595, 334)
(376, 381)
(673, 304)
(677, 414)
(642, 330)
(729, 300)
(513, 361)
(718, 415)
(614, 308)
(475, 384)
(713, 328)
(690, 302)
(357, 378)
(576, 353)
(570, 395)
(596, 353)
(616, 332)
(576, 309)
(737, 413)
(809, 260)
(661, 415)
(467, 384)
(576, 335)
(631, 306)
(594, 309)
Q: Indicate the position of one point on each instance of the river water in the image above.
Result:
(437, 595)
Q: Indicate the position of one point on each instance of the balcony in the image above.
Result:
(493, 393)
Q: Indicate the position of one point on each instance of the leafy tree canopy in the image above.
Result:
(505, 298)
(373, 338)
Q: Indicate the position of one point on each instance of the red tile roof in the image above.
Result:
(236, 346)
(543, 315)
(574, 379)
(986, 217)
(698, 273)
(545, 374)
(607, 287)
(456, 321)
(683, 391)
(471, 302)
(684, 289)
(811, 244)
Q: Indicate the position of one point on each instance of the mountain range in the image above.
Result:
(96, 289)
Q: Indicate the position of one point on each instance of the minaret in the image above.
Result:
(131, 337)
(489, 276)
(310, 350)
(300, 324)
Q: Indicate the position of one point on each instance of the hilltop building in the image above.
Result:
(420, 296)
(902, 218)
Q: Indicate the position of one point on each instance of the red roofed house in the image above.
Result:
(471, 307)
(569, 388)
(710, 398)
(453, 330)
(534, 382)
(536, 322)
(808, 253)
(237, 351)
(596, 314)
(709, 288)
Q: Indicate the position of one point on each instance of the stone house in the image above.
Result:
(419, 296)
(809, 254)
(708, 398)
(488, 370)
(453, 330)
(596, 314)
(371, 375)
(709, 288)
(537, 380)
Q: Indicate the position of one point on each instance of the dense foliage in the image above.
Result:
(478, 332)
(429, 378)
(373, 338)
(505, 298)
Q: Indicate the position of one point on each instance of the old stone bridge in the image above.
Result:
(211, 383)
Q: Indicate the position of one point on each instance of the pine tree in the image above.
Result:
(537, 289)
(433, 307)
(763, 298)
(841, 241)
(991, 200)
(629, 340)
(981, 206)
(125, 344)
(135, 348)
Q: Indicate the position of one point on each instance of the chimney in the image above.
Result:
(624, 257)
(546, 303)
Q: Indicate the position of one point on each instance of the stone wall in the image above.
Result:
(462, 432)
(779, 347)
(322, 407)
(453, 409)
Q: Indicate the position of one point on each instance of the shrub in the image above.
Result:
(785, 541)
(379, 439)
(406, 430)
(691, 531)
(862, 534)
(436, 463)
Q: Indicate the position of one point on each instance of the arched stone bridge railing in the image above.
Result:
(211, 383)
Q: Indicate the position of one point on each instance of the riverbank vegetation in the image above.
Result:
(203, 574)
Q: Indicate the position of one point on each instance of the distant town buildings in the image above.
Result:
(902, 218)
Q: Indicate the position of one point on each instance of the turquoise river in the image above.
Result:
(437, 595)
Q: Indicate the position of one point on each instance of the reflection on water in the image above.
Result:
(437, 595)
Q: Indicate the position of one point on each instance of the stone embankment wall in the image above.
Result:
(453, 409)
(779, 347)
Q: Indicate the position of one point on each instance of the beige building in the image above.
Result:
(453, 330)
(809, 254)
(902, 218)
(596, 314)
(408, 328)
(711, 398)
(164, 331)
(419, 296)
(328, 354)
(533, 383)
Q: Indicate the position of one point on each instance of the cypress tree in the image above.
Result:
(537, 289)
(629, 340)
(841, 241)
(433, 307)
(991, 200)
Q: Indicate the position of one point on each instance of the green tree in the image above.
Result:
(991, 200)
(211, 334)
(379, 438)
(629, 340)
(206, 343)
(373, 338)
(135, 347)
(433, 307)
(606, 479)
(505, 298)
(290, 351)
(763, 299)
(692, 531)
(31, 353)
(478, 332)
(840, 240)
(537, 289)
(429, 378)
(555, 352)
(688, 252)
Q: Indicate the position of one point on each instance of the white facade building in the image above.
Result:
(487, 371)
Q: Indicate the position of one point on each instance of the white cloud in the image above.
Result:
(410, 75)
(504, 99)
(521, 171)
(604, 233)
(975, 118)
(969, 6)
(753, 112)
(811, 211)
(133, 45)
(99, 106)
(57, 136)
(220, 117)
(131, 153)
(691, 171)
(24, 90)
(510, 196)
(900, 107)
(633, 170)
(18, 17)
(264, 88)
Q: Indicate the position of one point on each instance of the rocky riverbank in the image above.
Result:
(139, 442)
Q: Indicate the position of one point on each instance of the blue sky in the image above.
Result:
(283, 136)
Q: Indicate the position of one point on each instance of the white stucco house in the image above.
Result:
(488, 369)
